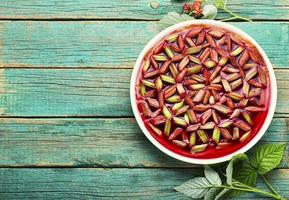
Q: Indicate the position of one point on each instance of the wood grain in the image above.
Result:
(82, 92)
(123, 9)
(94, 143)
(109, 183)
(106, 44)
(76, 66)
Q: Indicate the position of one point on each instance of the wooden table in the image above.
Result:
(67, 130)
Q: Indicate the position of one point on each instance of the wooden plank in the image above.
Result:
(106, 44)
(89, 92)
(123, 9)
(109, 183)
(65, 92)
(94, 143)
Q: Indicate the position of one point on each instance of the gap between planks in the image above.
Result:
(122, 19)
(108, 167)
(99, 167)
(86, 68)
(276, 116)
(88, 19)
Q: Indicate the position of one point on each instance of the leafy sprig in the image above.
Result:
(209, 11)
(239, 176)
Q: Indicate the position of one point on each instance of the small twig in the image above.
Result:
(228, 19)
(235, 15)
(269, 185)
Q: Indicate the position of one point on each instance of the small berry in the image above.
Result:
(194, 9)
(187, 8)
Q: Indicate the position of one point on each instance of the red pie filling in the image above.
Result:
(203, 92)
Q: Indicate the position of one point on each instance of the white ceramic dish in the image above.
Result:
(159, 37)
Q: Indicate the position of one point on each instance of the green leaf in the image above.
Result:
(230, 167)
(212, 176)
(173, 18)
(266, 157)
(246, 174)
(211, 193)
(229, 172)
(195, 188)
(220, 4)
(240, 170)
(224, 191)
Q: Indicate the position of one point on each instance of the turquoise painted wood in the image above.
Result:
(129, 9)
(102, 142)
(98, 92)
(66, 126)
(117, 183)
(82, 92)
(106, 44)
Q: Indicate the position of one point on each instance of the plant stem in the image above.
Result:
(235, 15)
(228, 19)
(269, 185)
(254, 190)
(275, 192)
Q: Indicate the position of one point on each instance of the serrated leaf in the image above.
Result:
(266, 157)
(172, 18)
(195, 188)
(230, 167)
(211, 193)
(212, 176)
(222, 193)
(246, 174)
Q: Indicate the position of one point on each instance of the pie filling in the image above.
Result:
(203, 91)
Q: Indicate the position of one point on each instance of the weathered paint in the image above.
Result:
(123, 9)
(117, 183)
(94, 143)
(106, 44)
(82, 92)
(111, 48)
